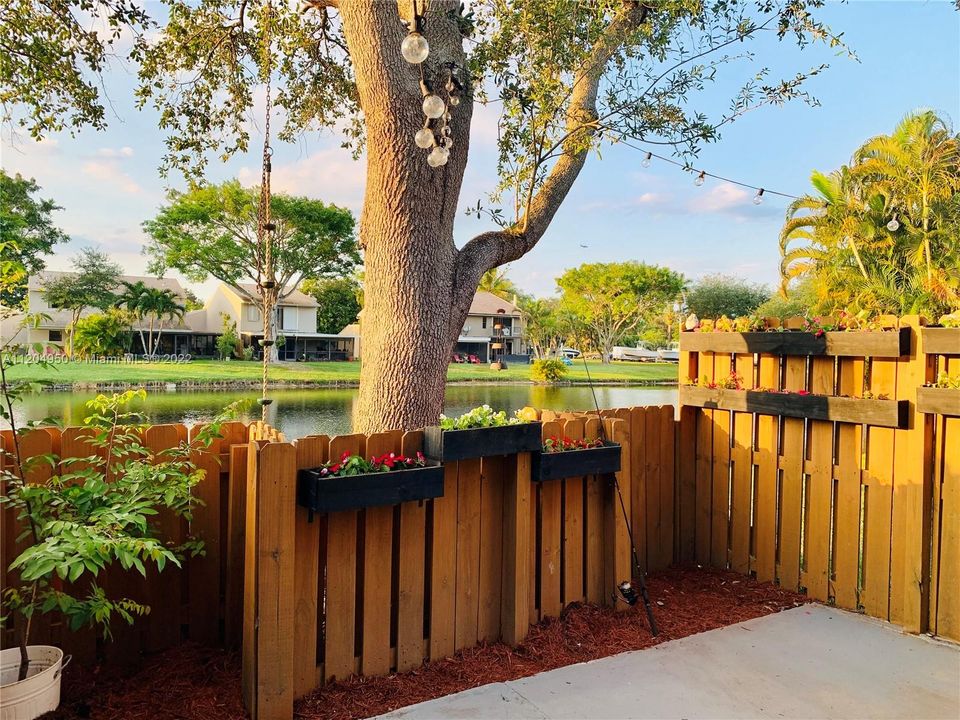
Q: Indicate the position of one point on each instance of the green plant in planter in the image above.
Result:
(481, 417)
(95, 512)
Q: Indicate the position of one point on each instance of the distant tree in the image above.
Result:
(228, 341)
(612, 299)
(91, 285)
(801, 299)
(155, 305)
(27, 234)
(102, 334)
(190, 300)
(496, 281)
(717, 295)
(337, 302)
(211, 230)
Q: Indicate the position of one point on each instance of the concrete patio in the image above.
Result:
(809, 662)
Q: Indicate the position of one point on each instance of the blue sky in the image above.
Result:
(909, 57)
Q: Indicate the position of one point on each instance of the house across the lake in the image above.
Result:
(492, 322)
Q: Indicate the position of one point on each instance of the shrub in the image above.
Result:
(228, 340)
(552, 370)
(102, 334)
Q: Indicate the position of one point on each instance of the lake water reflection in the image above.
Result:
(299, 412)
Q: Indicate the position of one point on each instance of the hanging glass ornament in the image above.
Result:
(454, 101)
(438, 157)
(424, 138)
(433, 106)
(446, 132)
(446, 117)
(415, 48)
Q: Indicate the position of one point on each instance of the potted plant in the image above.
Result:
(560, 457)
(93, 513)
(482, 432)
(354, 482)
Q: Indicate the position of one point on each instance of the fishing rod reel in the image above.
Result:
(627, 593)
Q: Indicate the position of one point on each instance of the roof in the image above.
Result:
(296, 297)
(485, 303)
(39, 279)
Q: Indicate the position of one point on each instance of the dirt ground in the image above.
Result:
(195, 683)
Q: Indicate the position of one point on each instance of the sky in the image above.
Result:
(908, 57)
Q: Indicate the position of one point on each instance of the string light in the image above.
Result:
(703, 174)
(894, 224)
(758, 198)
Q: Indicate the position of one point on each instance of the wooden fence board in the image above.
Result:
(236, 522)
(411, 572)
(947, 606)
(720, 512)
(594, 517)
(817, 513)
(846, 552)
(704, 469)
(377, 570)
(791, 492)
(340, 636)
(443, 570)
(639, 447)
(204, 572)
(741, 457)
(312, 451)
(573, 557)
(767, 476)
(650, 477)
(468, 553)
(515, 593)
(667, 480)
(491, 548)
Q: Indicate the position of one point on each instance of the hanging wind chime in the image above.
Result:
(435, 135)
(265, 226)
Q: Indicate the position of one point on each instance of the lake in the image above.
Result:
(299, 412)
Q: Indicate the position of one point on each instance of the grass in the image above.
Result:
(326, 373)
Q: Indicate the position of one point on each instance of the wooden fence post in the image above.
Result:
(515, 592)
(912, 489)
(618, 563)
(268, 631)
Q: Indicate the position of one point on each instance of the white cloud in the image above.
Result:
(724, 197)
(115, 153)
(109, 172)
(330, 175)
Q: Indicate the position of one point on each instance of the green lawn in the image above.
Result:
(215, 371)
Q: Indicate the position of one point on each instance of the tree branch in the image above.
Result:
(492, 249)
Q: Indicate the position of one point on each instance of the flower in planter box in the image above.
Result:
(557, 444)
(483, 417)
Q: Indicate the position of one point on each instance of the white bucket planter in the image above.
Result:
(39, 693)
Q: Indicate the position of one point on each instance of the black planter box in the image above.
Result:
(353, 492)
(450, 445)
(576, 463)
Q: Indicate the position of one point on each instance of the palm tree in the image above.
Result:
(130, 300)
(496, 281)
(153, 304)
(883, 233)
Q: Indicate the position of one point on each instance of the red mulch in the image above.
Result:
(193, 683)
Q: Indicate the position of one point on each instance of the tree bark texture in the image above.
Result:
(417, 286)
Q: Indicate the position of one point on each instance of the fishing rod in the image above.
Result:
(625, 589)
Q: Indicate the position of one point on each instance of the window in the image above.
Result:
(253, 313)
(55, 336)
(484, 322)
(288, 318)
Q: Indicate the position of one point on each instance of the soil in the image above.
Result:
(194, 683)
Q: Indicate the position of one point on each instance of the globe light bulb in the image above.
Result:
(415, 48)
(438, 157)
(758, 198)
(433, 106)
(424, 138)
(646, 161)
(454, 101)
(701, 179)
(893, 225)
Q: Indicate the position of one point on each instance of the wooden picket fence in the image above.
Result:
(383, 589)
(847, 487)
(844, 488)
(202, 601)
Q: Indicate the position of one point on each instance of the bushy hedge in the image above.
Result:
(552, 370)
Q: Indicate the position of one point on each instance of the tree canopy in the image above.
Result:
(338, 302)
(212, 231)
(612, 299)
(92, 284)
(27, 233)
(717, 295)
(882, 234)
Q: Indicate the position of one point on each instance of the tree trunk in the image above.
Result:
(412, 314)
